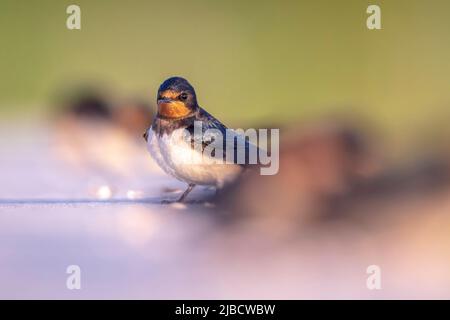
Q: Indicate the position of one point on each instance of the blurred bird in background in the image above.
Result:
(329, 171)
(100, 137)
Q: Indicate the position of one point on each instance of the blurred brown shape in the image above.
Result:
(134, 116)
(87, 106)
(316, 164)
(104, 138)
(329, 171)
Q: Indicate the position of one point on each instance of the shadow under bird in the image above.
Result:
(177, 153)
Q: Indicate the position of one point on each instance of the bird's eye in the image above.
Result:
(183, 96)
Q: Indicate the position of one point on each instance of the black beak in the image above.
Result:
(164, 100)
(145, 135)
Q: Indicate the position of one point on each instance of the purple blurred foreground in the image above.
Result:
(67, 204)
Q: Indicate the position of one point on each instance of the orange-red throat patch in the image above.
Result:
(173, 109)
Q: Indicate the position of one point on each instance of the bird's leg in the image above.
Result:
(188, 190)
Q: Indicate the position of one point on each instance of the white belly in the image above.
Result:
(176, 157)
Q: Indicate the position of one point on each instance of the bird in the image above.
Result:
(178, 154)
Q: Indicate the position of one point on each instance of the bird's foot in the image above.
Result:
(175, 201)
(168, 201)
(183, 196)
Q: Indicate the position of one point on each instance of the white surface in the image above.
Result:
(133, 247)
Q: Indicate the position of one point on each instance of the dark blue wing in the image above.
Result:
(231, 140)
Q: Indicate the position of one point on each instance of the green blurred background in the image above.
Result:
(250, 61)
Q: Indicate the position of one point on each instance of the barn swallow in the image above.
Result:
(179, 111)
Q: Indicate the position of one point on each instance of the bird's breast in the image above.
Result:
(177, 156)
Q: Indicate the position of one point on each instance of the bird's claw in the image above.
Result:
(167, 201)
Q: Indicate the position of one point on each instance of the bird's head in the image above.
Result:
(176, 99)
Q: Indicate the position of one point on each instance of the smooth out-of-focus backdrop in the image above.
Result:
(249, 60)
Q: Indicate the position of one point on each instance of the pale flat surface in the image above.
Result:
(131, 246)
